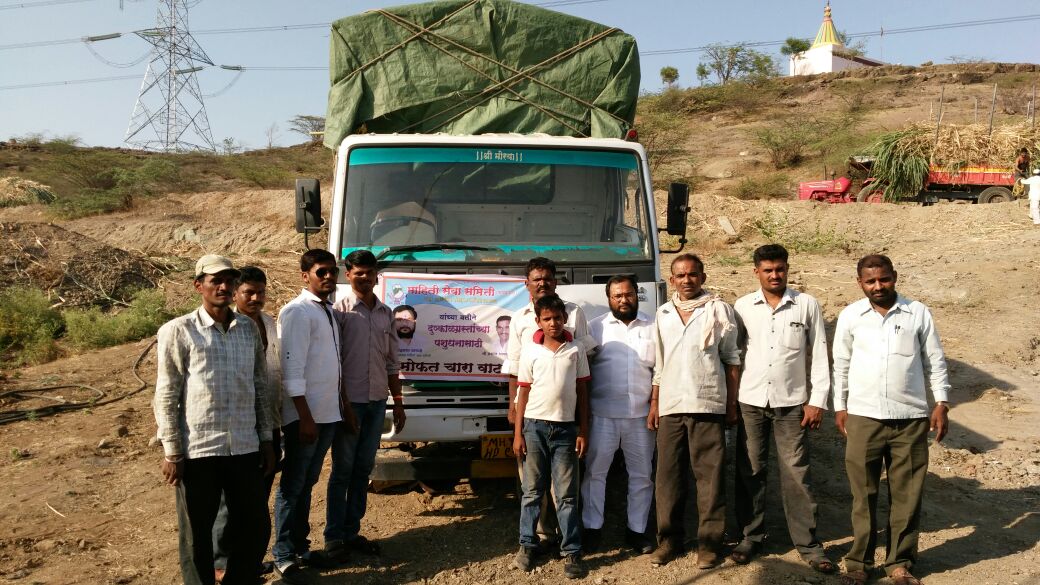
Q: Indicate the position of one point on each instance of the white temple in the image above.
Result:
(827, 53)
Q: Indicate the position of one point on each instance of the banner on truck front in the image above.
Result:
(452, 327)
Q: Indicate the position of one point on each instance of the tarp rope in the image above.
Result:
(60, 404)
(551, 114)
(517, 72)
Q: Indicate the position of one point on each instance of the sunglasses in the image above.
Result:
(323, 272)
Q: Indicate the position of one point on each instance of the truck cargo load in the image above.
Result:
(479, 66)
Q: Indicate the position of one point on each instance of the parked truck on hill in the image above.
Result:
(471, 136)
(976, 184)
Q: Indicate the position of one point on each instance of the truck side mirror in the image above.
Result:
(678, 207)
(308, 206)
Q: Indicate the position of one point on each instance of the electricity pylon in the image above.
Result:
(170, 115)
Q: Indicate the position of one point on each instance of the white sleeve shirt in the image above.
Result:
(883, 364)
(691, 380)
(552, 378)
(308, 337)
(522, 327)
(623, 366)
(777, 344)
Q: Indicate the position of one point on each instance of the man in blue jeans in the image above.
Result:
(370, 374)
(313, 415)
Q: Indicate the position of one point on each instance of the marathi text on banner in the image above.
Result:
(452, 327)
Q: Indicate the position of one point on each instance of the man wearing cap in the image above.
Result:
(211, 409)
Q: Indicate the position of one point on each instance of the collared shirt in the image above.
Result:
(776, 343)
(883, 363)
(623, 366)
(522, 327)
(369, 348)
(1033, 183)
(310, 345)
(690, 379)
(211, 388)
(552, 377)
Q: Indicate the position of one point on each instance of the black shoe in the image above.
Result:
(591, 538)
(319, 559)
(364, 546)
(293, 575)
(744, 552)
(573, 568)
(524, 559)
(666, 552)
(547, 547)
(266, 568)
(638, 542)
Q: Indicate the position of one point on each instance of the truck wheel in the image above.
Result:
(872, 193)
(996, 195)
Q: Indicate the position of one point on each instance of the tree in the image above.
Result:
(310, 126)
(736, 62)
(856, 49)
(669, 75)
(793, 46)
(703, 72)
(272, 134)
(230, 146)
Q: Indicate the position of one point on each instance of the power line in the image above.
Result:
(876, 33)
(39, 3)
(69, 82)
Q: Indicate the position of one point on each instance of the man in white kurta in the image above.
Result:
(620, 402)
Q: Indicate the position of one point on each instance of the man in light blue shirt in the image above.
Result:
(887, 356)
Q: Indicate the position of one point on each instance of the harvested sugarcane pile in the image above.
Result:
(903, 157)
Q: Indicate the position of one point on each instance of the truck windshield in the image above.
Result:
(492, 204)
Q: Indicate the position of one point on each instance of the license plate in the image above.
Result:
(496, 446)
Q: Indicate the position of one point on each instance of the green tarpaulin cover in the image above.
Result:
(478, 66)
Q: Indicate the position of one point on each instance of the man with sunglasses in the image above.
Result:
(312, 411)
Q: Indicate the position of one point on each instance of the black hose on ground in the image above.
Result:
(60, 404)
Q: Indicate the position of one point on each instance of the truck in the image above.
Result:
(458, 211)
(977, 184)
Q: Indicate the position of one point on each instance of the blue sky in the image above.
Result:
(98, 113)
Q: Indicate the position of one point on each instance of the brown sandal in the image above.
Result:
(854, 578)
(902, 576)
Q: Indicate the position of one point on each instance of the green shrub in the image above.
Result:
(93, 328)
(776, 226)
(103, 182)
(774, 186)
(28, 327)
(258, 173)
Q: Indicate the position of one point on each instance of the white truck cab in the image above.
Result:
(483, 205)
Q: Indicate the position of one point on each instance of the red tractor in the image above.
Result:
(977, 184)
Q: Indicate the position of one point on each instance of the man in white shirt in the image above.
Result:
(780, 329)
(311, 412)
(620, 403)
(696, 376)
(541, 281)
(1033, 183)
(887, 355)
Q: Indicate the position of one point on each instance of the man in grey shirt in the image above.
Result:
(780, 329)
(211, 409)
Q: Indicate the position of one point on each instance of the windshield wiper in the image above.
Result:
(426, 247)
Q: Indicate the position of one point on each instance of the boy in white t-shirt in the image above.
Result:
(551, 431)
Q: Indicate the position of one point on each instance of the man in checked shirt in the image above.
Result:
(779, 396)
(211, 408)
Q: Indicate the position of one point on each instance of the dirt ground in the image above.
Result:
(83, 502)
